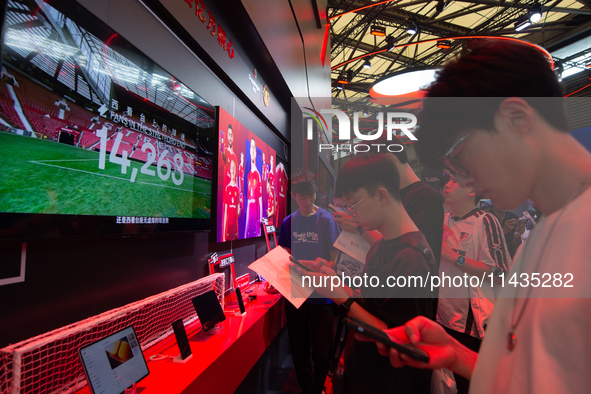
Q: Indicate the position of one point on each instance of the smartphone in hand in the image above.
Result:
(380, 336)
(297, 262)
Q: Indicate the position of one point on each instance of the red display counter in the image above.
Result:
(220, 362)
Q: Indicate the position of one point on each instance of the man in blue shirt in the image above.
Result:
(309, 233)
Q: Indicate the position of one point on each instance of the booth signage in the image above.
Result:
(243, 282)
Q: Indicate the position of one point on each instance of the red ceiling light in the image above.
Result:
(444, 44)
(378, 31)
(345, 79)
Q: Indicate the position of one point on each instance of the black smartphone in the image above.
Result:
(380, 336)
(181, 339)
(336, 209)
(296, 262)
(240, 301)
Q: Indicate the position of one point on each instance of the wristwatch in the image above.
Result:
(460, 260)
(345, 306)
(359, 230)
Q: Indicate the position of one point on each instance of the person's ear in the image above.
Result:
(516, 113)
(382, 195)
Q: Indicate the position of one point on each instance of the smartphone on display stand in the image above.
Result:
(182, 341)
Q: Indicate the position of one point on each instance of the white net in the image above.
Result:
(49, 363)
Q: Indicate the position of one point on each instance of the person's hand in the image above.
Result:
(344, 221)
(520, 228)
(329, 284)
(518, 235)
(427, 335)
(318, 264)
(510, 225)
(268, 287)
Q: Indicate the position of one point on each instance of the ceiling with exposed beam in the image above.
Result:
(563, 24)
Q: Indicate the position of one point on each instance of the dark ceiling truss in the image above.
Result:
(500, 19)
(391, 14)
(359, 26)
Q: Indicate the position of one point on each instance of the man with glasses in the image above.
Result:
(370, 187)
(421, 202)
(508, 147)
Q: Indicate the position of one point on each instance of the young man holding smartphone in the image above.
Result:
(309, 233)
(370, 187)
(509, 147)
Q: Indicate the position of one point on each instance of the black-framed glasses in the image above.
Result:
(351, 210)
(453, 167)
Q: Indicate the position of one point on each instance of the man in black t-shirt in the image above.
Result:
(421, 202)
(370, 188)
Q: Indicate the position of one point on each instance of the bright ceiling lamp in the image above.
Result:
(405, 82)
(535, 14)
(522, 22)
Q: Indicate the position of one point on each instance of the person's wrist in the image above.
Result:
(462, 359)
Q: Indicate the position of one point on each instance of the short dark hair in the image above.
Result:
(402, 156)
(303, 187)
(492, 69)
(230, 127)
(368, 171)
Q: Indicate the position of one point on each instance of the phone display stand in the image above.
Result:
(179, 360)
(216, 330)
(131, 390)
(268, 229)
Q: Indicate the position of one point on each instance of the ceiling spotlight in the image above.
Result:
(444, 44)
(367, 64)
(365, 113)
(345, 79)
(522, 22)
(535, 14)
(340, 86)
(378, 31)
(412, 28)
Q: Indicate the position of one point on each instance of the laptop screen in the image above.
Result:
(114, 363)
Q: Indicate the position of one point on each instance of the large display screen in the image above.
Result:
(245, 182)
(95, 138)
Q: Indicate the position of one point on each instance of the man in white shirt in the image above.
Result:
(513, 146)
(473, 244)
